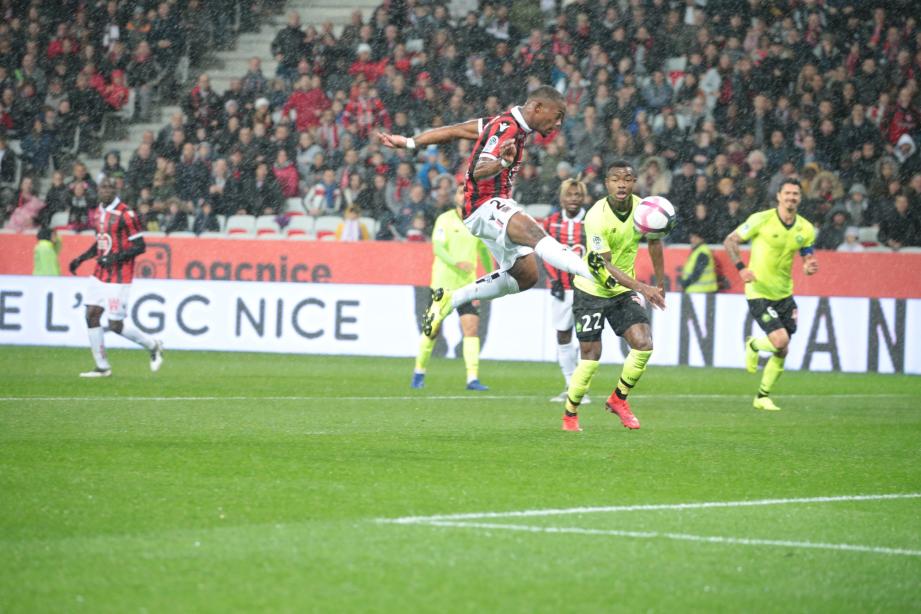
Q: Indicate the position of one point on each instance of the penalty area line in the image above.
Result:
(710, 539)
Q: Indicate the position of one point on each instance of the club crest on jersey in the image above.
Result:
(491, 144)
(103, 243)
(799, 239)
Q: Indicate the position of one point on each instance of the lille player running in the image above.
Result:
(566, 226)
(119, 241)
(512, 236)
(456, 255)
(776, 235)
(613, 238)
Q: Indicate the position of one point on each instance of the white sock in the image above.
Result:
(133, 334)
(556, 255)
(98, 348)
(568, 357)
(485, 288)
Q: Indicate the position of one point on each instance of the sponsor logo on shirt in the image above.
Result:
(491, 144)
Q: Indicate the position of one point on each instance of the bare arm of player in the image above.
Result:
(657, 255)
(486, 167)
(468, 130)
(731, 244)
(654, 295)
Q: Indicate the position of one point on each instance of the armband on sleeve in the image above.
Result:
(807, 251)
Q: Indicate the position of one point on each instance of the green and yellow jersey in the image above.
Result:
(773, 246)
(453, 243)
(608, 231)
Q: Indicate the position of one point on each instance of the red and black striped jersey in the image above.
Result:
(571, 233)
(509, 126)
(116, 226)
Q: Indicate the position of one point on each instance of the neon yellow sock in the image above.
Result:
(426, 346)
(763, 344)
(579, 383)
(772, 371)
(472, 357)
(634, 367)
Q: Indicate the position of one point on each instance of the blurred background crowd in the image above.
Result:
(715, 102)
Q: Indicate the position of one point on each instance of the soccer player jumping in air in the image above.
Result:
(119, 241)
(512, 236)
(776, 235)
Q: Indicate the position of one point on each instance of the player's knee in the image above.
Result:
(563, 337)
(644, 345)
(115, 326)
(590, 353)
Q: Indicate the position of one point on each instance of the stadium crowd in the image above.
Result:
(714, 103)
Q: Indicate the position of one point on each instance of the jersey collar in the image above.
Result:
(111, 207)
(576, 218)
(516, 113)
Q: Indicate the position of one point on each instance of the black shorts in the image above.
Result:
(774, 315)
(621, 312)
(469, 309)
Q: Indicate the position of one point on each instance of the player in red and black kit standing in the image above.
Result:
(119, 241)
(565, 226)
(512, 236)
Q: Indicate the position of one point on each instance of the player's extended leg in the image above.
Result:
(147, 342)
(779, 340)
(470, 324)
(97, 345)
(639, 338)
(521, 276)
(523, 230)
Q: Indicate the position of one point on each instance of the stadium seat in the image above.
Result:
(153, 234)
(7, 231)
(326, 225)
(244, 225)
(59, 219)
(300, 227)
(371, 224)
(868, 234)
(266, 225)
(211, 235)
(295, 206)
(179, 234)
(538, 211)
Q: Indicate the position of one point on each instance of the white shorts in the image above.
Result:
(561, 312)
(111, 297)
(489, 224)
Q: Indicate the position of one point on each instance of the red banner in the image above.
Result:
(874, 274)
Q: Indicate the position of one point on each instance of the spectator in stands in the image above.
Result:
(325, 196)
(57, 199)
(906, 152)
(373, 198)
(857, 206)
(28, 207)
(192, 177)
(203, 106)
(286, 175)
(37, 147)
(175, 219)
(261, 194)
(111, 167)
(288, 46)
(851, 241)
(167, 37)
(144, 75)
(831, 235)
(416, 205)
(351, 228)
(900, 227)
(366, 111)
(903, 118)
(308, 102)
(141, 169)
(206, 220)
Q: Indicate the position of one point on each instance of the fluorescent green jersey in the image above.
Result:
(605, 232)
(773, 246)
(453, 243)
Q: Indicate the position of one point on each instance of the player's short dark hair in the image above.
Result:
(790, 182)
(619, 164)
(546, 93)
(44, 233)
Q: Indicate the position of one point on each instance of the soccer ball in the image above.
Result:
(654, 217)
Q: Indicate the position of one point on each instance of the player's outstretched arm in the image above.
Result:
(652, 294)
(468, 130)
(76, 262)
(731, 244)
(657, 255)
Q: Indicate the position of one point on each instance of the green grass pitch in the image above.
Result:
(257, 482)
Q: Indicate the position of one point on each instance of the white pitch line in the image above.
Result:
(636, 508)
(422, 397)
(712, 539)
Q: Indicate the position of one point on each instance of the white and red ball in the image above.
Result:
(654, 217)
